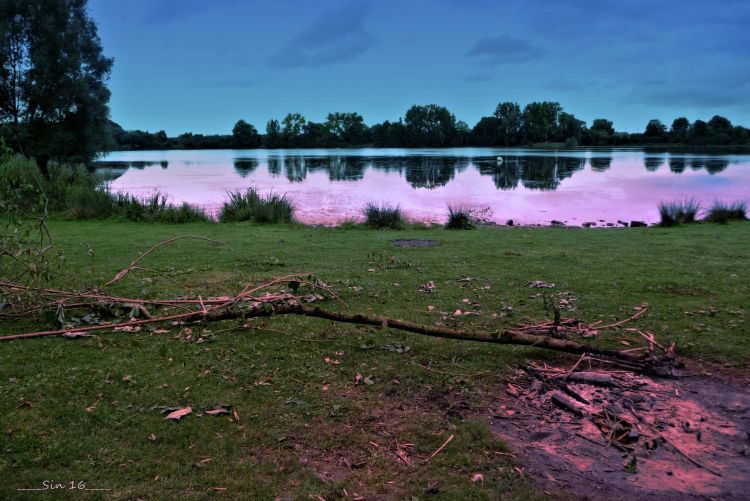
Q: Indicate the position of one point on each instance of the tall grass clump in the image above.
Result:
(156, 208)
(459, 218)
(253, 207)
(678, 212)
(722, 212)
(383, 216)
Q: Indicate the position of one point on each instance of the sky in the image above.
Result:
(201, 65)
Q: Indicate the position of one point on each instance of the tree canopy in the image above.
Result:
(53, 93)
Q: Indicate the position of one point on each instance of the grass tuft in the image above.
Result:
(722, 212)
(460, 217)
(383, 216)
(678, 212)
(251, 206)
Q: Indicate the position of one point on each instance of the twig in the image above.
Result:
(617, 324)
(160, 244)
(439, 449)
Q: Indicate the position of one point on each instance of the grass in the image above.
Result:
(252, 206)
(722, 212)
(80, 409)
(459, 218)
(383, 216)
(678, 212)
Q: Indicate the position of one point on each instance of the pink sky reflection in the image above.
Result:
(626, 191)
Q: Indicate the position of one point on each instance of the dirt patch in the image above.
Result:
(413, 243)
(634, 437)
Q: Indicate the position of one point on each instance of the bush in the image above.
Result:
(722, 213)
(459, 218)
(251, 206)
(20, 185)
(678, 212)
(383, 216)
(86, 203)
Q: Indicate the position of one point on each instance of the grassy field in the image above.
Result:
(81, 410)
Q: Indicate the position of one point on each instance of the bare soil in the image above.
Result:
(638, 438)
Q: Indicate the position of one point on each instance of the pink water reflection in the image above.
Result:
(626, 190)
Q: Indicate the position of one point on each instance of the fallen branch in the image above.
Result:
(439, 449)
(160, 244)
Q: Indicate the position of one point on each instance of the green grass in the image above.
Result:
(722, 212)
(383, 216)
(254, 207)
(70, 413)
(678, 212)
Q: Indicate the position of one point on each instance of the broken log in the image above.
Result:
(236, 308)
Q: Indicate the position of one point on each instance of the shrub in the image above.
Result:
(383, 216)
(251, 206)
(722, 213)
(20, 184)
(459, 218)
(86, 203)
(681, 211)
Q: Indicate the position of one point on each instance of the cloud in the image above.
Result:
(164, 11)
(505, 49)
(333, 37)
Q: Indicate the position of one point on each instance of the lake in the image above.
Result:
(329, 186)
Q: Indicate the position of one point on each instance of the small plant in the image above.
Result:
(383, 216)
(459, 218)
(251, 206)
(722, 213)
(678, 212)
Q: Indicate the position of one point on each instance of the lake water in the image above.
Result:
(529, 186)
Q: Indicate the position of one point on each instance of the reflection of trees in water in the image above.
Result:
(339, 168)
(245, 166)
(712, 165)
(433, 172)
(716, 165)
(653, 163)
(600, 164)
(295, 169)
(274, 166)
(677, 165)
(536, 173)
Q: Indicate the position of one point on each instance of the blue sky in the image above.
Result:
(200, 65)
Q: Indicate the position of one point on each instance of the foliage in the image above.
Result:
(245, 135)
(459, 218)
(253, 207)
(678, 212)
(383, 216)
(432, 125)
(722, 212)
(53, 97)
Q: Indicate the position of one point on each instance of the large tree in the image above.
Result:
(53, 93)
(431, 125)
(245, 135)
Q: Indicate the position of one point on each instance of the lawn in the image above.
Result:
(87, 409)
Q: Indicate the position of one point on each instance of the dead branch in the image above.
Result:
(160, 244)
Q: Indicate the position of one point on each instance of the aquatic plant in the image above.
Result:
(251, 206)
(722, 212)
(459, 218)
(383, 216)
(678, 212)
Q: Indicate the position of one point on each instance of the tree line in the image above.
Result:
(435, 126)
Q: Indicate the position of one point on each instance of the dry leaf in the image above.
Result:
(179, 414)
(152, 437)
(331, 361)
(477, 477)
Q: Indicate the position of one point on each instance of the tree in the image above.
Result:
(245, 135)
(655, 128)
(510, 122)
(273, 134)
(606, 127)
(680, 127)
(347, 128)
(293, 126)
(541, 121)
(569, 127)
(431, 125)
(53, 94)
